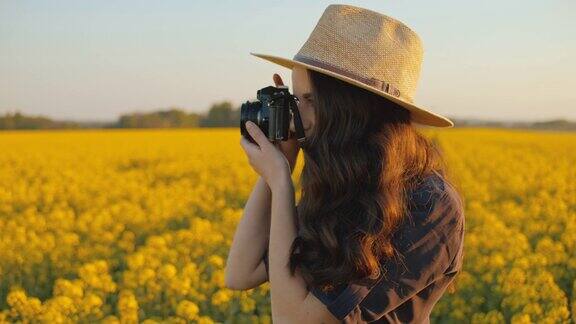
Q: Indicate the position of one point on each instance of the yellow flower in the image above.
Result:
(221, 297)
(205, 320)
(127, 307)
(247, 304)
(187, 310)
(167, 271)
(216, 261)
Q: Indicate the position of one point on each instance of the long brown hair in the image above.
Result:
(362, 160)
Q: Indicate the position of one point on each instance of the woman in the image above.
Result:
(378, 232)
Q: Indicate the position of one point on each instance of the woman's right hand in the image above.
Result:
(291, 147)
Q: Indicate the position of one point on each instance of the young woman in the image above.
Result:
(378, 231)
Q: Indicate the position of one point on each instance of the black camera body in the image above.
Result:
(272, 112)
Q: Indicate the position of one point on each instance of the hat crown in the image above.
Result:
(366, 45)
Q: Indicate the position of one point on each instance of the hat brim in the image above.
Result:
(418, 114)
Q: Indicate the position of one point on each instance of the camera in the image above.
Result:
(272, 112)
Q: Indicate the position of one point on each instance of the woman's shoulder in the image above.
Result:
(426, 192)
(435, 209)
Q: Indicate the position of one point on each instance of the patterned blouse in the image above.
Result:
(432, 247)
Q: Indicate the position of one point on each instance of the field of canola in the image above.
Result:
(131, 226)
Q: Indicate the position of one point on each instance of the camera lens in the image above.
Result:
(254, 112)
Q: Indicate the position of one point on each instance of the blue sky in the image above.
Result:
(94, 60)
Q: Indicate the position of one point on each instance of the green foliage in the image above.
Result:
(19, 121)
(220, 114)
(223, 115)
(173, 118)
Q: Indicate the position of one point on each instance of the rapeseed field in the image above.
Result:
(127, 226)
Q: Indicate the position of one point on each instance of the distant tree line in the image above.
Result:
(221, 114)
(159, 119)
(19, 121)
(560, 124)
(553, 124)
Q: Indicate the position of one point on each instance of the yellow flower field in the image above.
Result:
(126, 226)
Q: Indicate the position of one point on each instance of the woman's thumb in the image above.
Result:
(277, 80)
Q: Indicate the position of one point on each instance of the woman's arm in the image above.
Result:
(244, 266)
(291, 301)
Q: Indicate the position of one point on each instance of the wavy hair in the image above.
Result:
(362, 160)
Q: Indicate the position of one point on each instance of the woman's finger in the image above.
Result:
(258, 135)
(249, 148)
(277, 80)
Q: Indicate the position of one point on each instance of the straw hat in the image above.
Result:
(367, 49)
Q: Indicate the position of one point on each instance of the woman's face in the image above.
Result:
(302, 90)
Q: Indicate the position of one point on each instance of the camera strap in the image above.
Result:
(297, 120)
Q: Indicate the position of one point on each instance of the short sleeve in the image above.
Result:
(430, 246)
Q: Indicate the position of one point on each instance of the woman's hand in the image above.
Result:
(265, 158)
(290, 147)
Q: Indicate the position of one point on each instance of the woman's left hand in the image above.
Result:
(265, 158)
